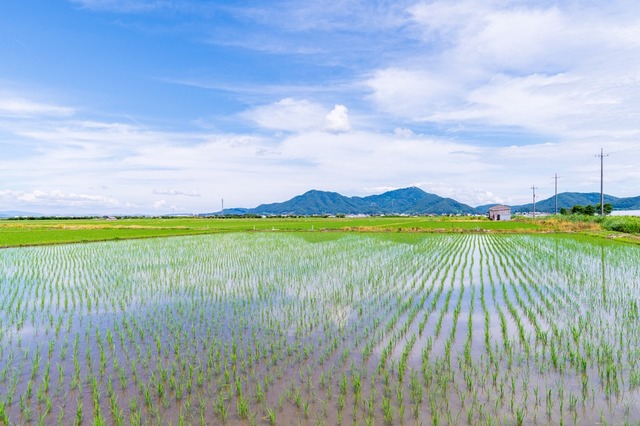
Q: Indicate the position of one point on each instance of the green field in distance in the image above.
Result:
(36, 232)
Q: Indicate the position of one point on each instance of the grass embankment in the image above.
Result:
(14, 233)
(624, 228)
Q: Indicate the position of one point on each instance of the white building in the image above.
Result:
(500, 212)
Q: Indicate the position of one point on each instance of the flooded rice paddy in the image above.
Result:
(321, 329)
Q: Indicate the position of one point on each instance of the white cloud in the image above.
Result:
(63, 200)
(536, 102)
(176, 192)
(157, 205)
(299, 116)
(403, 132)
(409, 92)
(287, 114)
(565, 70)
(247, 170)
(338, 120)
(20, 107)
(368, 160)
(473, 196)
(501, 35)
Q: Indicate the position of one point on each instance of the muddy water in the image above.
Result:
(285, 328)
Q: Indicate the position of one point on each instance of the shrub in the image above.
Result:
(627, 224)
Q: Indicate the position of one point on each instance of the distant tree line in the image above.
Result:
(588, 210)
(50, 217)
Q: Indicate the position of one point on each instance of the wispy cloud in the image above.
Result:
(61, 199)
(135, 6)
(21, 107)
(257, 93)
(176, 192)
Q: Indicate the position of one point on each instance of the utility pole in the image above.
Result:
(601, 155)
(222, 210)
(556, 178)
(533, 187)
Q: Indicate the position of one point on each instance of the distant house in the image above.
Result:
(500, 212)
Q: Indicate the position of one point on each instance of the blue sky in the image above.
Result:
(159, 106)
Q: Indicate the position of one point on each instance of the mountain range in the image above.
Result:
(412, 201)
(400, 201)
(569, 199)
(408, 201)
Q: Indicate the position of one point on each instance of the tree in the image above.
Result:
(563, 211)
(608, 208)
(589, 210)
(577, 209)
